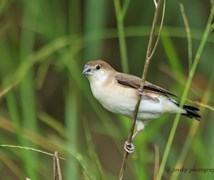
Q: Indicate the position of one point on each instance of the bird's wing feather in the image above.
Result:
(134, 82)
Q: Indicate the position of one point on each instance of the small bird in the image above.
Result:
(118, 92)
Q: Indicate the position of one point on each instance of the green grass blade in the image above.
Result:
(191, 74)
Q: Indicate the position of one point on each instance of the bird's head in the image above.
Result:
(98, 70)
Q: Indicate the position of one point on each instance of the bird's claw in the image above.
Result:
(140, 92)
(129, 147)
(146, 96)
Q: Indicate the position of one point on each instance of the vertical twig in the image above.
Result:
(155, 2)
(56, 167)
(149, 55)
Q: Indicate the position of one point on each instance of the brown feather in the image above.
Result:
(134, 82)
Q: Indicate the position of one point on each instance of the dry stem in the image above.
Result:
(149, 54)
(56, 167)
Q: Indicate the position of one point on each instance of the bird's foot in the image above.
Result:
(140, 92)
(129, 147)
(146, 96)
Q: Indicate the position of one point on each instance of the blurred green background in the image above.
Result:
(46, 103)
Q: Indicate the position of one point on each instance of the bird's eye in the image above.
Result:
(97, 67)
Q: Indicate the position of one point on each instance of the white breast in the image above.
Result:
(116, 99)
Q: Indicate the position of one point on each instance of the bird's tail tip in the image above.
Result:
(192, 112)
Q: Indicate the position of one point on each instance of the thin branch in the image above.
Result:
(155, 3)
(8, 88)
(30, 149)
(147, 61)
(56, 167)
(150, 44)
(159, 32)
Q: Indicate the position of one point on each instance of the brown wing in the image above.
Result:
(134, 82)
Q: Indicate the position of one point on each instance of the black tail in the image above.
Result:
(192, 112)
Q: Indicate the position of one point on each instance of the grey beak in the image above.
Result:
(87, 70)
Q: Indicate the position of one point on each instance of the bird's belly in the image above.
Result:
(125, 106)
(149, 109)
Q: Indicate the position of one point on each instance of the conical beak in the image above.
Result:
(87, 70)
